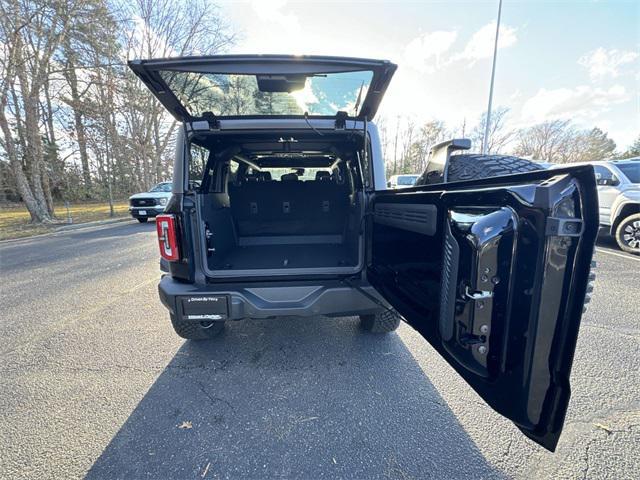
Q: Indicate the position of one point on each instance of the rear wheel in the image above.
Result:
(383, 322)
(197, 330)
(143, 220)
(628, 234)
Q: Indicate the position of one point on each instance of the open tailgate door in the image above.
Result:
(494, 273)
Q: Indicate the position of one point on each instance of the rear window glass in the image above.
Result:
(232, 95)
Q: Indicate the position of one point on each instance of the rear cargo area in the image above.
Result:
(284, 224)
(277, 203)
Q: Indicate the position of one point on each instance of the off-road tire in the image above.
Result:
(383, 322)
(195, 330)
(633, 222)
(143, 220)
(476, 166)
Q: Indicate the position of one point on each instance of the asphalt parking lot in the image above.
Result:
(94, 382)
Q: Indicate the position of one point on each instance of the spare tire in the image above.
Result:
(475, 166)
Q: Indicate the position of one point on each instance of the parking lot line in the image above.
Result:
(637, 259)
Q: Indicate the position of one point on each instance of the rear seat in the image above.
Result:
(290, 206)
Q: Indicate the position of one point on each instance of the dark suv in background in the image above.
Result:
(486, 256)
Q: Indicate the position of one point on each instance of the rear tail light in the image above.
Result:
(167, 237)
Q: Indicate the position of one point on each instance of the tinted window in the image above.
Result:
(631, 171)
(602, 172)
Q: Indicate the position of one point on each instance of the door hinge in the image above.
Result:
(212, 120)
(341, 120)
(564, 227)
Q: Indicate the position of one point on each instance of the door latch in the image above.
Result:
(208, 234)
(478, 295)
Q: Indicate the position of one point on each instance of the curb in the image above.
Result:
(71, 227)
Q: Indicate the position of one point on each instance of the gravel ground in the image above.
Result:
(94, 382)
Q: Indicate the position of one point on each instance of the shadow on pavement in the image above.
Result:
(606, 240)
(292, 398)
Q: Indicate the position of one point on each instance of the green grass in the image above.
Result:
(15, 221)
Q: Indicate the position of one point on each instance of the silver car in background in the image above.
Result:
(403, 181)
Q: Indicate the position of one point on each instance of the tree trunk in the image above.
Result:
(33, 141)
(37, 212)
(52, 150)
(76, 105)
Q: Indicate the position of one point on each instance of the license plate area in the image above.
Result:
(142, 212)
(204, 308)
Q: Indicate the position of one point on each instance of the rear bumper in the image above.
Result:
(334, 299)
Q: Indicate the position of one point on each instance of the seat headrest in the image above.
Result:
(289, 177)
(265, 176)
(323, 176)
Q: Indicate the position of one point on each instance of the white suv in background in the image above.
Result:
(619, 198)
(150, 204)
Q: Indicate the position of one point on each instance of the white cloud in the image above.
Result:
(582, 101)
(423, 53)
(275, 26)
(272, 11)
(601, 62)
(481, 43)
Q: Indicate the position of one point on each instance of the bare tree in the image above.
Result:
(633, 150)
(499, 135)
(559, 141)
(30, 33)
(64, 86)
(162, 28)
(548, 141)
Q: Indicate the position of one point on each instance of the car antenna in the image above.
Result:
(306, 119)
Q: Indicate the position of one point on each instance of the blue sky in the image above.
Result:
(572, 59)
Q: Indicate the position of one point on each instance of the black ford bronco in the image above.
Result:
(280, 207)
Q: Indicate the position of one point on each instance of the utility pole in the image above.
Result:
(493, 74)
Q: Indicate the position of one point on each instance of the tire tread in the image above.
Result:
(383, 322)
(475, 166)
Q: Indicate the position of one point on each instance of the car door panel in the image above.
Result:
(496, 282)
